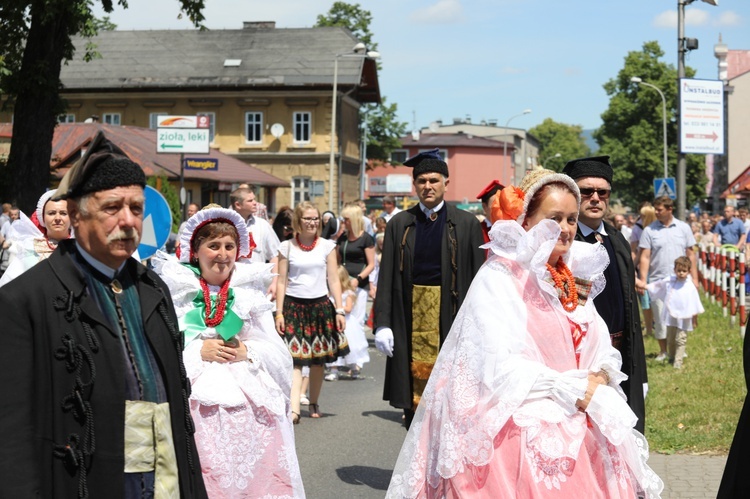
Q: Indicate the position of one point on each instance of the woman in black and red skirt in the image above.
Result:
(310, 324)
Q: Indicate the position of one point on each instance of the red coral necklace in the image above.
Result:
(565, 283)
(304, 247)
(221, 303)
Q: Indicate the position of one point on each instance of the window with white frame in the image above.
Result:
(302, 127)
(253, 127)
(399, 155)
(211, 124)
(300, 190)
(153, 119)
(66, 118)
(111, 118)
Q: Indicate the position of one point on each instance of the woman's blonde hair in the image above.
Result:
(648, 215)
(299, 212)
(354, 214)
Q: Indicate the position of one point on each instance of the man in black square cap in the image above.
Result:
(431, 252)
(617, 303)
(95, 390)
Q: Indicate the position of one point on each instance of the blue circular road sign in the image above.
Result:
(157, 223)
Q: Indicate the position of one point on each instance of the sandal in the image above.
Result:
(315, 411)
(295, 417)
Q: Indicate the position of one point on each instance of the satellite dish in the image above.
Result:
(434, 127)
(415, 135)
(277, 130)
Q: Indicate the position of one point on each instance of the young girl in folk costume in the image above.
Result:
(31, 240)
(682, 304)
(524, 399)
(355, 334)
(239, 368)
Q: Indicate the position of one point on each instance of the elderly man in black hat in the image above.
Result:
(431, 252)
(617, 303)
(95, 392)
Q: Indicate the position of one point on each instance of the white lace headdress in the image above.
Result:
(209, 215)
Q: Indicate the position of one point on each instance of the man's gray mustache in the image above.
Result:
(124, 234)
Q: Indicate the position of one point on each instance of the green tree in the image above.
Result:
(559, 138)
(631, 131)
(35, 39)
(383, 128)
(351, 16)
(161, 184)
(384, 131)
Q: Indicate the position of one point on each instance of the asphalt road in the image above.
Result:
(350, 452)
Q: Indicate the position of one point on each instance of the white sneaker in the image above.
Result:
(333, 376)
(304, 400)
(661, 357)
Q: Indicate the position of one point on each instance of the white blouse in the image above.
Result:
(307, 271)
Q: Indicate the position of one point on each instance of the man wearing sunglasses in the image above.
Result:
(617, 303)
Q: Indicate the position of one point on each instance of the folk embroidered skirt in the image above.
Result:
(310, 331)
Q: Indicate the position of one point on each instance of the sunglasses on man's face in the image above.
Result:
(587, 192)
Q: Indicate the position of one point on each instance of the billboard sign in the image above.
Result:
(701, 116)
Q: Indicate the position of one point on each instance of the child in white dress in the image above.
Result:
(355, 333)
(682, 306)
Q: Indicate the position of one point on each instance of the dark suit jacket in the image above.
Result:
(736, 480)
(393, 303)
(58, 354)
(633, 353)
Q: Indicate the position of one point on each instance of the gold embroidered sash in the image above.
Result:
(425, 336)
(149, 446)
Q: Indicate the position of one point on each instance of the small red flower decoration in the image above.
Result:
(508, 204)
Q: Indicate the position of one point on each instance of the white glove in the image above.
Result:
(384, 340)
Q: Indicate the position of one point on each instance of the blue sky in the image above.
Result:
(491, 59)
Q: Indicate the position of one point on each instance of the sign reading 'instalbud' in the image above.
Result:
(701, 116)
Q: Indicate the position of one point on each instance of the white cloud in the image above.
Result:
(693, 17)
(514, 71)
(442, 12)
(572, 71)
(696, 17)
(728, 18)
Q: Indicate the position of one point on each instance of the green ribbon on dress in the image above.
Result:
(193, 323)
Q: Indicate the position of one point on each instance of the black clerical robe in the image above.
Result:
(460, 257)
(630, 343)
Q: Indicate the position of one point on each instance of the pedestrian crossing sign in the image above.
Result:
(665, 187)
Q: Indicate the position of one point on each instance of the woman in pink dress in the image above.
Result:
(524, 400)
(239, 368)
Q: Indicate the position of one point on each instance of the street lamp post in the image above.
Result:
(639, 81)
(557, 155)
(358, 51)
(681, 49)
(505, 141)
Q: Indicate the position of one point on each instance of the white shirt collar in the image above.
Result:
(104, 269)
(427, 211)
(586, 230)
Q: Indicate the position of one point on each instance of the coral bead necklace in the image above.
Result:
(305, 247)
(565, 283)
(221, 303)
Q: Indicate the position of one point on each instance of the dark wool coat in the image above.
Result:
(631, 349)
(61, 442)
(736, 480)
(393, 303)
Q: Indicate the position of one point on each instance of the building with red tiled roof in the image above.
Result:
(212, 184)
